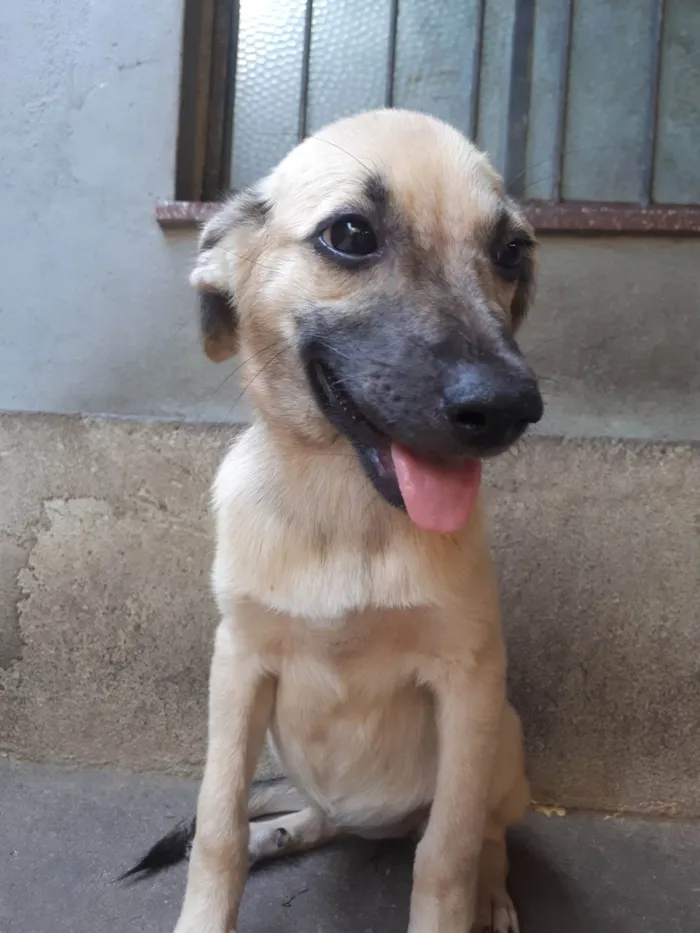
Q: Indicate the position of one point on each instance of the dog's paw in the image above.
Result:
(496, 914)
(267, 840)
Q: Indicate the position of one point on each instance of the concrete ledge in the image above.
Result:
(106, 617)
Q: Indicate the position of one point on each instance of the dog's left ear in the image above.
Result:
(223, 245)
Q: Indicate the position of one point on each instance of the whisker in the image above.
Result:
(346, 151)
(252, 379)
(230, 375)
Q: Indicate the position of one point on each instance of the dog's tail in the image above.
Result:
(173, 848)
(268, 797)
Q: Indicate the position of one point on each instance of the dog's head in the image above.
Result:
(373, 284)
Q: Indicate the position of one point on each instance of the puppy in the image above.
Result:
(373, 285)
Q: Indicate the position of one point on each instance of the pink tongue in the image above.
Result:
(437, 498)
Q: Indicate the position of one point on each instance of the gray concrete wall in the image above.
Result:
(106, 617)
(95, 312)
(105, 540)
(615, 337)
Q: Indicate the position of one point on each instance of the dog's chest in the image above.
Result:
(347, 560)
(289, 578)
(353, 727)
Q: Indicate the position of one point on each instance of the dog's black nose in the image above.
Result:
(491, 407)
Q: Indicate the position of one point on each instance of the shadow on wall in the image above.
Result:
(598, 547)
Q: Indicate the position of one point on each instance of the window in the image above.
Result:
(589, 108)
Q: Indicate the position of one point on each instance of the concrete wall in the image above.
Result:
(106, 617)
(105, 540)
(615, 337)
(95, 312)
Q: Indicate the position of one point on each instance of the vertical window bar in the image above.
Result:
(230, 102)
(220, 109)
(198, 22)
(476, 69)
(518, 110)
(652, 116)
(562, 101)
(305, 65)
(391, 53)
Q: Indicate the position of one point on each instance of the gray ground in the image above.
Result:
(65, 836)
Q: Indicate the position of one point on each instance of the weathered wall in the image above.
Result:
(105, 548)
(95, 312)
(615, 337)
(105, 540)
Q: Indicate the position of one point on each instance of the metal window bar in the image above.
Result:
(207, 102)
(305, 69)
(391, 64)
(519, 87)
(215, 174)
(198, 19)
(391, 53)
(206, 98)
(562, 97)
(652, 116)
(477, 54)
(519, 101)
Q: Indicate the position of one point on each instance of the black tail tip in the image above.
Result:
(168, 851)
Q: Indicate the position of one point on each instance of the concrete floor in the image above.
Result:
(65, 836)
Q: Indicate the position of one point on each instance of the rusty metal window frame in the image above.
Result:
(207, 88)
(587, 217)
(207, 91)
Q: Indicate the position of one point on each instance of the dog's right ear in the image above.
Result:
(221, 246)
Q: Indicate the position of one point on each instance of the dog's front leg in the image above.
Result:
(469, 706)
(241, 697)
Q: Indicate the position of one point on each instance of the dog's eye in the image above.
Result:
(350, 236)
(511, 255)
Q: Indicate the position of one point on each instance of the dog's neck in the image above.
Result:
(303, 531)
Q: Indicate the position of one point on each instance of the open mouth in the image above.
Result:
(372, 446)
(341, 409)
(438, 497)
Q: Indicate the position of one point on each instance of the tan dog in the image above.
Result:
(373, 283)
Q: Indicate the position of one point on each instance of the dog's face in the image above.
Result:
(374, 283)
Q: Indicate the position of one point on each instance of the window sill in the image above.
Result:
(571, 217)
